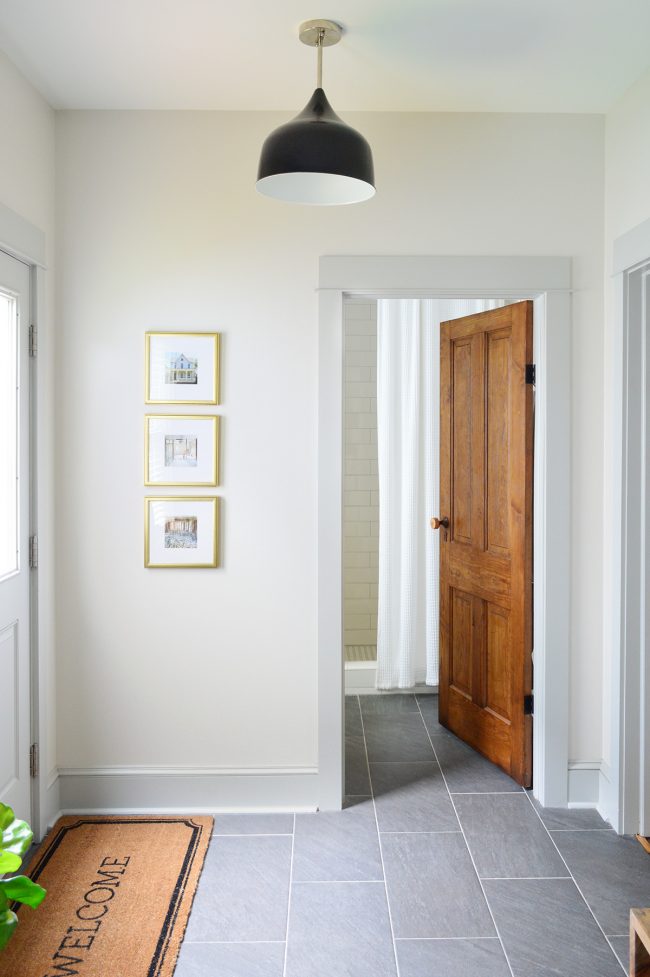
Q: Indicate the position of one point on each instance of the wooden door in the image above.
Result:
(486, 496)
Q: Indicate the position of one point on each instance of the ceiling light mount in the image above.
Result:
(316, 158)
(325, 32)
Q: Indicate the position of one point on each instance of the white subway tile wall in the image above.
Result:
(360, 482)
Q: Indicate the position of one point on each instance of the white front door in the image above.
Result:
(15, 713)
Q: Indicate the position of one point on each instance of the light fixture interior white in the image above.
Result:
(318, 189)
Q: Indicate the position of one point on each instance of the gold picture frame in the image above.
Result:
(183, 510)
(158, 372)
(185, 423)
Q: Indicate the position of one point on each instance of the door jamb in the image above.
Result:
(625, 788)
(548, 282)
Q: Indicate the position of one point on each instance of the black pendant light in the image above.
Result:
(316, 158)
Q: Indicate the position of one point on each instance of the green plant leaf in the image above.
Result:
(3, 902)
(22, 889)
(8, 923)
(17, 837)
(6, 816)
(9, 862)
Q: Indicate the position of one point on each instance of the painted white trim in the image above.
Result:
(584, 784)
(20, 238)
(626, 787)
(548, 280)
(631, 249)
(162, 770)
(191, 789)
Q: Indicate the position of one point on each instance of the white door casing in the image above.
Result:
(548, 282)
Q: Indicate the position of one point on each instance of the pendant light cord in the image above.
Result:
(319, 71)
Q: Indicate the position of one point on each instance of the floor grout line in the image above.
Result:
(381, 852)
(446, 831)
(527, 878)
(494, 922)
(441, 939)
(286, 939)
(582, 895)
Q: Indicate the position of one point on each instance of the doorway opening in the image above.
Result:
(547, 283)
(438, 415)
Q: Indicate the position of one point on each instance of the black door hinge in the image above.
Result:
(529, 705)
(530, 373)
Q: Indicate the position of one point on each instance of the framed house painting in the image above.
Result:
(181, 532)
(181, 449)
(182, 367)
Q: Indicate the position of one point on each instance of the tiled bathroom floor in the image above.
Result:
(440, 866)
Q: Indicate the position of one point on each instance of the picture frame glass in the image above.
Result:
(181, 450)
(182, 368)
(181, 532)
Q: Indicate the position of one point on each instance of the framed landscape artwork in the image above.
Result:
(182, 367)
(181, 532)
(181, 449)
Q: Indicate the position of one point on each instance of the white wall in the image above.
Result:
(160, 227)
(627, 204)
(27, 124)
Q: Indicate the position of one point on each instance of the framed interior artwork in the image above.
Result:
(181, 532)
(181, 449)
(182, 367)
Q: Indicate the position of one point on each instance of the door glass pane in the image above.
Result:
(8, 436)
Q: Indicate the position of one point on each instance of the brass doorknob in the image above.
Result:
(437, 523)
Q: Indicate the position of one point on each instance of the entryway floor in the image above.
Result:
(439, 866)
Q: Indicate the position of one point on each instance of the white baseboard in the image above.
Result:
(361, 679)
(584, 783)
(173, 790)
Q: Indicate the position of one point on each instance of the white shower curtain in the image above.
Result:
(408, 433)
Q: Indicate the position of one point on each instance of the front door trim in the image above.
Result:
(547, 281)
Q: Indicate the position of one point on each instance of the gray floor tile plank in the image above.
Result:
(621, 946)
(451, 958)
(391, 704)
(339, 931)
(548, 931)
(398, 736)
(562, 818)
(230, 960)
(338, 846)
(432, 887)
(357, 779)
(243, 891)
(506, 838)
(467, 771)
(613, 874)
(429, 708)
(352, 715)
(253, 824)
(412, 797)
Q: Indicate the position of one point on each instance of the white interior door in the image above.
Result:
(15, 716)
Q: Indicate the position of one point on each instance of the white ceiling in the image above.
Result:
(413, 55)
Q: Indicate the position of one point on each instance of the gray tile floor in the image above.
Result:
(439, 866)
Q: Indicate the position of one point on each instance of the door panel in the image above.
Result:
(486, 468)
(15, 721)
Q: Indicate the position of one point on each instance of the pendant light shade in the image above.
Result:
(316, 158)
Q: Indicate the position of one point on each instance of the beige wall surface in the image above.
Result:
(160, 228)
(27, 149)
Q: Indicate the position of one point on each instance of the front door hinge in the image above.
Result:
(530, 374)
(33, 552)
(529, 705)
(33, 760)
(33, 340)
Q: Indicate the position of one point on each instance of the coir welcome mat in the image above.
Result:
(119, 892)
